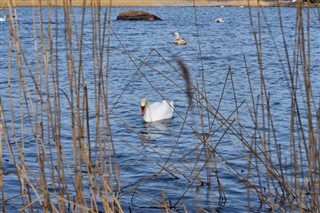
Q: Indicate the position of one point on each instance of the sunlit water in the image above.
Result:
(142, 149)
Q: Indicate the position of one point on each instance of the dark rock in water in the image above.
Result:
(137, 16)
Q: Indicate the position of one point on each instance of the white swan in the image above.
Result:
(178, 40)
(219, 20)
(3, 19)
(156, 111)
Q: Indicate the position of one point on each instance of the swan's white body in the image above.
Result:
(3, 19)
(178, 40)
(156, 111)
(219, 20)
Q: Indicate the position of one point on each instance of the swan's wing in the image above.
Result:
(169, 109)
(171, 105)
(161, 111)
(155, 105)
(168, 105)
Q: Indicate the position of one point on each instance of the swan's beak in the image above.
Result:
(142, 110)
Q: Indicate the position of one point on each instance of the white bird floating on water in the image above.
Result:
(3, 19)
(156, 111)
(219, 20)
(178, 40)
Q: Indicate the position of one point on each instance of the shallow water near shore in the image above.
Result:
(167, 156)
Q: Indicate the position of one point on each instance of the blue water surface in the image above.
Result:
(140, 61)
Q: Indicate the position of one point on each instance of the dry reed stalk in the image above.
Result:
(165, 204)
(1, 170)
(310, 144)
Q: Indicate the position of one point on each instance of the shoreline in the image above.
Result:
(144, 3)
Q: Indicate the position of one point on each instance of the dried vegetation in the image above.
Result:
(91, 182)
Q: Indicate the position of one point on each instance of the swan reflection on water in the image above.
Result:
(156, 130)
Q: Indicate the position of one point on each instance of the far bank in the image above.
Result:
(144, 3)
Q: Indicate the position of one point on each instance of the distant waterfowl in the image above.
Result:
(156, 111)
(3, 19)
(219, 20)
(178, 40)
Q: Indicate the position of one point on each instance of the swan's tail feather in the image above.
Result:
(171, 104)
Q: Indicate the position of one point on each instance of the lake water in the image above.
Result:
(165, 156)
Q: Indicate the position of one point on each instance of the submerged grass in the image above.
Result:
(90, 182)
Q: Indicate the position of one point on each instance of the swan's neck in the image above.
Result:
(177, 35)
(147, 114)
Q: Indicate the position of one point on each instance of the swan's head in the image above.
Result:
(5, 17)
(176, 34)
(144, 103)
